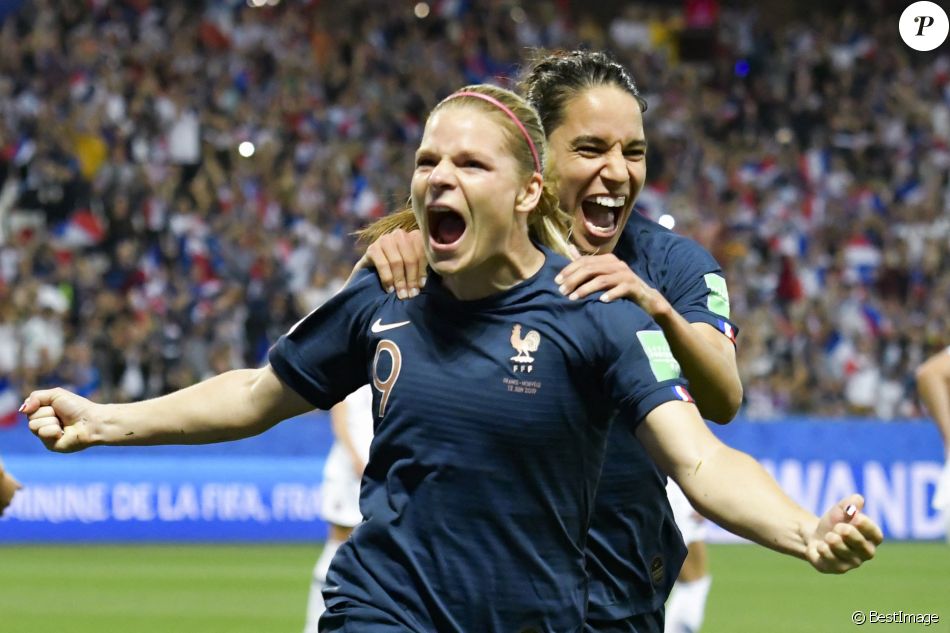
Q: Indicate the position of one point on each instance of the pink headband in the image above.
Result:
(511, 115)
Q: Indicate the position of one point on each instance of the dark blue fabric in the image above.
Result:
(635, 550)
(479, 488)
(650, 622)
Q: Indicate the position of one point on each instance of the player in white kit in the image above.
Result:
(352, 422)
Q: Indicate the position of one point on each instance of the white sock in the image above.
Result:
(687, 606)
(315, 606)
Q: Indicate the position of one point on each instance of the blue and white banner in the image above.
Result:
(165, 499)
(895, 465)
(264, 488)
(269, 488)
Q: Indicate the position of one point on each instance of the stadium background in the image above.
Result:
(178, 182)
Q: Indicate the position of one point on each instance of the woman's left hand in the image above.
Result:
(845, 538)
(606, 273)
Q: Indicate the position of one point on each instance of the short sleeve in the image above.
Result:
(323, 356)
(640, 372)
(696, 287)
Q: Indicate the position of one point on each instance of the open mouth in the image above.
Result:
(602, 214)
(446, 226)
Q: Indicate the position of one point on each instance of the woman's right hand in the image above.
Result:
(400, 261)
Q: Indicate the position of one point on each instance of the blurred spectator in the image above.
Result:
(179, 181)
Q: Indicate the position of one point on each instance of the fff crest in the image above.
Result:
(524, 346)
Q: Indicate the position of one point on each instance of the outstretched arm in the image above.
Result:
(733, 490)
(707, 356)
(230, 406)
(933, 385)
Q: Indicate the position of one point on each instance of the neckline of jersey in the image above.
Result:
(435, 288)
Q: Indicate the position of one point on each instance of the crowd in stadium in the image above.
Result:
(141, 250)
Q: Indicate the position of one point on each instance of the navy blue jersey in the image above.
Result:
(635, 550)
(491, 419)
(683, 271)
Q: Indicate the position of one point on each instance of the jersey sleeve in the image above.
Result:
(323, 356)
(696, 288)
(640, 372)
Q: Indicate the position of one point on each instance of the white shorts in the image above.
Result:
(341, 489)
(692, 525)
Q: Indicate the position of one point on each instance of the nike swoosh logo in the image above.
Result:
(378, 326)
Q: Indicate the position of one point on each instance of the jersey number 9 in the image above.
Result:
(385, 387)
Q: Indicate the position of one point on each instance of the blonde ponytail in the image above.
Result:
(548, 224)
(405, 220)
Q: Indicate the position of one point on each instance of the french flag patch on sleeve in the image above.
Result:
(680, 392)
(728, 330)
